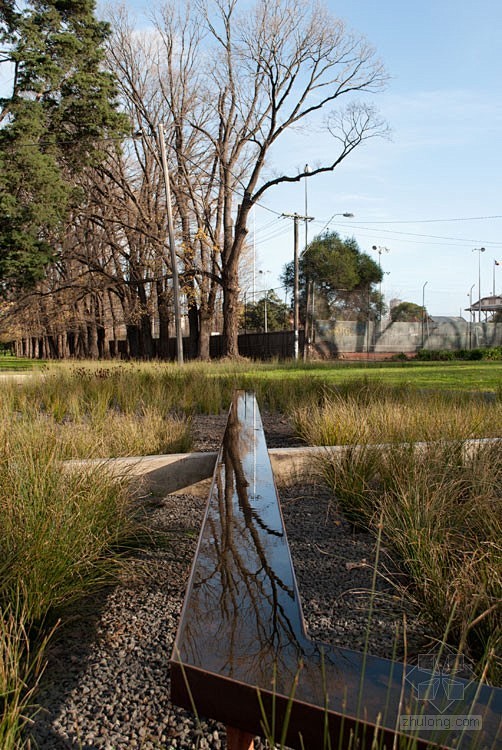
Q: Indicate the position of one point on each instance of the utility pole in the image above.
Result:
(296, 306)
(423, 313)
(309, 321)
(479, 250)
(174, 264)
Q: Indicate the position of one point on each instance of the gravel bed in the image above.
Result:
(107, 681)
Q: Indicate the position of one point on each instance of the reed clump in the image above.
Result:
(439, 510)
(374, 413)
(61, 537)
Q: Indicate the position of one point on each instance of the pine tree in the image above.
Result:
(61, 106)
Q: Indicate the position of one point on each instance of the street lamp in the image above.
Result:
(379, 249)
(346, 214)
(479, 250)
(495, 264)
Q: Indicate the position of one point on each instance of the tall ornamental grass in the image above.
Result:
(375, 413)
(60, 537)
(134, 409)
(440, 510)
(85, 414)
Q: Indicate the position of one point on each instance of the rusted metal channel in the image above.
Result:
(242, 654)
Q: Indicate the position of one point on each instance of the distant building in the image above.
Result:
(486, 305)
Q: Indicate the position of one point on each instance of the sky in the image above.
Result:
(431, 194)
(428, 197)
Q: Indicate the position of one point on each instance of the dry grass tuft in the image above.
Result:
(441, 512)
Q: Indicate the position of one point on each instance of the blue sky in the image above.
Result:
(425, 193)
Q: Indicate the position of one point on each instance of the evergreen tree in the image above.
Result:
(342, 276)
(60, 107)
(268, 313)
(408, 312)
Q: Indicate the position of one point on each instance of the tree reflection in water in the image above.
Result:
(244, 604)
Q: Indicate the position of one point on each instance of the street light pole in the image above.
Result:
(379, 249)
(423, 312)
(471, 315)
(296, 306)
(306, 334)
(306, 169)
(479, 250)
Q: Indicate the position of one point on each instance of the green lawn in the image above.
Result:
(16, 364)
(465, 376)
(469, 376)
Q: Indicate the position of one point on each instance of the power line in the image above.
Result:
(272, 236)
(431, 236)
(265, 227)
(431, 221)
(366, 224)
(450, 240)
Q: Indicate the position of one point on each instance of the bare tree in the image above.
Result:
(275, 66)
(159, 81)
(228, 86)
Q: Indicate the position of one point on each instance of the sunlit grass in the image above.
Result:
(61, 533)
(376, 413)
(440, 512)
(85, 392)
(17, 364)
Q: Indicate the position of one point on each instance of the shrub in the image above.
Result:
(493, 353)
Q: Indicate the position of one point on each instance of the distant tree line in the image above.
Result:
(84, 256)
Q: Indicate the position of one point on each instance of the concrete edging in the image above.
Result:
(182, 471)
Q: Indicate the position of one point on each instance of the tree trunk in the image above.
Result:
(194, 332)
(231, 311)
(205, 336)
(81, 348)
(92, 341)
(163, 312)
(70, 339)
(133, 338)
(53, 346)
(146, 342)
(102, 347)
